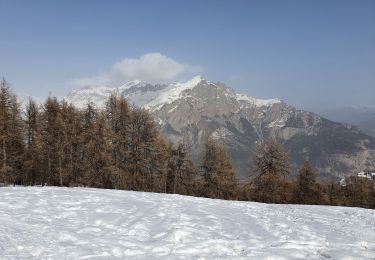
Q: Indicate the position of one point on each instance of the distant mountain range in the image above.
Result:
(363, 117)
(194, 110)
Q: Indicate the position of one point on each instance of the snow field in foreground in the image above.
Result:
(83, 223)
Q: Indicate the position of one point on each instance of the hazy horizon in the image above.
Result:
(311, 54)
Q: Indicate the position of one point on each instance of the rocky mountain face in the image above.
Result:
(192, 111)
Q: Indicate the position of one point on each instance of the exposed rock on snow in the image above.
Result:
(82, 223)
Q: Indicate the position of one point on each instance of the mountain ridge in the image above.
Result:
(173, 89)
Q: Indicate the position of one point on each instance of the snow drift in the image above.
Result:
(82, 223)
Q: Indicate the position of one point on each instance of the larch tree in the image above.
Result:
(31, 164)
(52, 138)
(271, 166)
(69, 142)
(143, 163)
(103, 168)
(11, 137)
(98, 168)
(86, 173)
(181, 171)
(358, 192)
(118, 116)
(307, 189)
(157, 164)
(219, 178)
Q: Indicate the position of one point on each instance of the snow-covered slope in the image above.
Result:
(81, 223)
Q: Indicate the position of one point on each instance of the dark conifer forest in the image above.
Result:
(120, 147)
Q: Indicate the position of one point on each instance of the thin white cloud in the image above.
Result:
(151, 67)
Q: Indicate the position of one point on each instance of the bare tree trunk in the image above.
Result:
(32, 177)
(49, 167)
(71, 161)
(60, 172)
(4, 159)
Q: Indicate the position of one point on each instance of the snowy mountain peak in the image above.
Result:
(172, 93)
(190, 83)
(196, 80)
(131, 84)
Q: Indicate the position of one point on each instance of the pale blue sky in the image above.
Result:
(312, 54)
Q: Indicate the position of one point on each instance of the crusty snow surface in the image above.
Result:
(83, 223)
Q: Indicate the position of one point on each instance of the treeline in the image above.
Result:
(120, 147)
(272, 183)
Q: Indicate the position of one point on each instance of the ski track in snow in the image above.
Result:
(83, 223)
